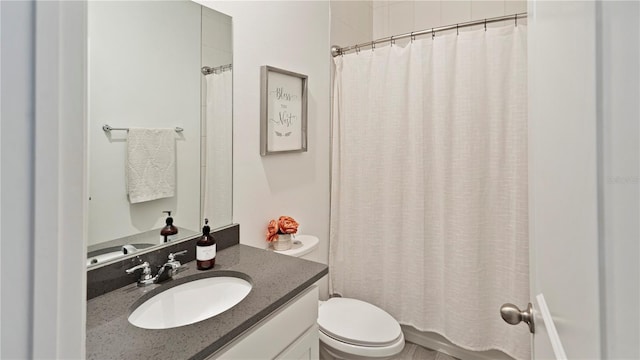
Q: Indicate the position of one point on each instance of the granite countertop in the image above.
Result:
(276, 279)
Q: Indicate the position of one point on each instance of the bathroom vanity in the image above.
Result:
(276, 319)
(129, 43)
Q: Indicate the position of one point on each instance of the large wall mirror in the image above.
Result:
(152, 66)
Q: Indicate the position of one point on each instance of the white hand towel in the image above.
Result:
(151, 164)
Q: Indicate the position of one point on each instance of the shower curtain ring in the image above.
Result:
(485, 24)
(412, 37)
(433, 34)
(357, 50)
(373, 46)
(457, 30)
(392, 41)
(516, 20)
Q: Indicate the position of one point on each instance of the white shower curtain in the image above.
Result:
(219, 134)
(429, 184)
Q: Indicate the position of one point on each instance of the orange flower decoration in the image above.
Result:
(287, 225)
(272, 231)
(284, 225)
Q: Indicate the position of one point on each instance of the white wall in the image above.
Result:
(43, 121)
(293, 36)
(16, 269)
(619, 76)
(142, 73)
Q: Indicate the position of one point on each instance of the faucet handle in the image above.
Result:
(146, 269)
(170, 268)
(145, 277)
(172, 256)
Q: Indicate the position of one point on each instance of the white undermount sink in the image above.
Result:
(190, 302)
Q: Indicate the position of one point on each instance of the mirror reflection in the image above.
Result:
(160, 78)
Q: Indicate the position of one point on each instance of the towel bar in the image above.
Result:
(108, 128)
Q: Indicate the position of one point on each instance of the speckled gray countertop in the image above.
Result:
(276, 279)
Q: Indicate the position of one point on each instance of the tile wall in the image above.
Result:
(356, 22)
(400, 17)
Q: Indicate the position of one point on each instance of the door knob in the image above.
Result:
(512, 315)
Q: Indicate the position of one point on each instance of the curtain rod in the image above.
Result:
(206, 70)
(337, 50)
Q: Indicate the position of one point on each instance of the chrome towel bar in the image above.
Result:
(108, 128)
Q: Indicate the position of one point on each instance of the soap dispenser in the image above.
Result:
(206, 248)
(169, 232)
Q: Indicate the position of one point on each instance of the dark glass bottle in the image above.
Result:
(169, 232)
(206, 249)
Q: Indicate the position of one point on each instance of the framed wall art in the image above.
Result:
(283, 111)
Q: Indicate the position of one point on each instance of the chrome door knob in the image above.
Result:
(513, 315)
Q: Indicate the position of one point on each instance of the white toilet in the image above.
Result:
(350, 328)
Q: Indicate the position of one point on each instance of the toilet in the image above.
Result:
(351, 328)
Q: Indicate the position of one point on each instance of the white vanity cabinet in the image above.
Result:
(290, 332)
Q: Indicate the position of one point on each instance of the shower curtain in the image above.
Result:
(429, 184)
(219, 136)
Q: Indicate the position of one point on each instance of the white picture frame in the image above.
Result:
(283, 111)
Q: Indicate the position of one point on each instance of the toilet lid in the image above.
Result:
(357, 322)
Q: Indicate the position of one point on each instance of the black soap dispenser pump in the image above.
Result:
(206, 248)
(169, 232)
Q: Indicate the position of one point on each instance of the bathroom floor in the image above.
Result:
(415, 352)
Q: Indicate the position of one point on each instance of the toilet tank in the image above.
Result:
(304, 246)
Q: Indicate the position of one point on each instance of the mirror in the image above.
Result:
(156, 65)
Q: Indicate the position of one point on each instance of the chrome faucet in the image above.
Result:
(145, 277)
(166, 271)
(128, 249)
(170, 268)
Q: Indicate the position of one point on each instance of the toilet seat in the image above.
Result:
(357, 327)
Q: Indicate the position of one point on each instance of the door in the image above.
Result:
(577, 159)
(563, 203)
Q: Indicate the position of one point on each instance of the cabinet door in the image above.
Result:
(277, 332)
(307, 347)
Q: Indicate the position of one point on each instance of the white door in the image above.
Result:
(577, 160)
